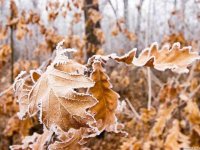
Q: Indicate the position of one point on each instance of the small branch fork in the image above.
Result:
(115, 13)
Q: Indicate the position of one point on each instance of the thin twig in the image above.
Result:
(149, 88)
(154, 78)
(6, 90)
(115, 13)
(194, 92)
(133, 109)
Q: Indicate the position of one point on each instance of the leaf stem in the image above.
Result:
(149, 88)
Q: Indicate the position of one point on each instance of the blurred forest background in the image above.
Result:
(31, 29)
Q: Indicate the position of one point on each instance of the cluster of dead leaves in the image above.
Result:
(61, 97)
(20, 24)
(12, 127)
(55, 9)
(173, 121)
(171, 126)
(173, 38)
(73, 107)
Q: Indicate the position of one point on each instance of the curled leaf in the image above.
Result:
(53, 95)
(176, 59)
(107, 99)
(22, 89)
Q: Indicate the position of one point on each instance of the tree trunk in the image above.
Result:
(92, 43)
(13, 14)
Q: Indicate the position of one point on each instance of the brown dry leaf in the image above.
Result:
(8, 105)
(127, 58)
(22, 89)
(53, 95)
(52, 15)
(3, 33)
(164, 115)
(35, 75)
(130, 35)
(115, 30)
(147, 115)
(78, 3)
(177, 59)
(77, 17)
(131, 143)
(120, 78)
(94, 15)
(33, 18)
(193, 115)
(99, 34)
(175, 139)
(104, 110)
(21, 30)
(5, 50)
(175, 37)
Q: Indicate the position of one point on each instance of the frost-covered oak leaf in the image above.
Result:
(22, 87)
(177, 59)
(58, 102)
(54, 96)
(107, 99)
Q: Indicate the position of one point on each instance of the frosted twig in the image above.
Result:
(156, 80)
(133, 109)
